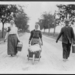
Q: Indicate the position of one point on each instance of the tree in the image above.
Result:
(47, 22)
(67, 12)
(40, 23)
(5, 14)
(21, 21)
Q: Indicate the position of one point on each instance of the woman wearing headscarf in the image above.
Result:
(35, 41)
(36, 36)
(12, 39)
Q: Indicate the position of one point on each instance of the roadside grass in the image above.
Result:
(1, 35)
(51, 35)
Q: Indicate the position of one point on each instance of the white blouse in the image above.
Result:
(13, 30)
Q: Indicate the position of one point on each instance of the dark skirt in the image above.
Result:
(12, 44)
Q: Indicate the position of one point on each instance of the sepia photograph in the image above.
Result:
(37, 37)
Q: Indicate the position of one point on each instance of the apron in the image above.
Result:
(35, 41)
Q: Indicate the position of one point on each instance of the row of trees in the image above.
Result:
(8, 12)
(49, 21)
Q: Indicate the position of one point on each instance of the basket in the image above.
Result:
(19, 46)
(73, 48)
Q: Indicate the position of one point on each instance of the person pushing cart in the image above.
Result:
(35, 40)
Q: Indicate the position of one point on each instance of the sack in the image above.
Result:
(35, 47)
(19, 46)
(73, 48)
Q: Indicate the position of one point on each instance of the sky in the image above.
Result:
(34, 9)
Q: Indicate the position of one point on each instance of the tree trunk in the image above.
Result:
(66, 16)
(54, 30)
(49, 30)
(54, 26)
(44, 30)
(2, 30)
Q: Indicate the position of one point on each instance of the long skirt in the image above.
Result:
(12, 44)
(66, 50)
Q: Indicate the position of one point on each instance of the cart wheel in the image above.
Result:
(33, 58)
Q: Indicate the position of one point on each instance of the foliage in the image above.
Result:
(5, 14)
(21, 20)
(47, 21)
(67, 12)
(8, 12)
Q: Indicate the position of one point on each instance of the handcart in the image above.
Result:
(34, 52)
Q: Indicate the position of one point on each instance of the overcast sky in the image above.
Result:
(35, 9)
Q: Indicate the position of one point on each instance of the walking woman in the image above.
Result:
(35, 41)
(12, 39)
(36, 36)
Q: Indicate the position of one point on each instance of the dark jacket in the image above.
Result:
(35, 34)
(67, 34)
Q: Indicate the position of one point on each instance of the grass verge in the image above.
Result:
(51, 35)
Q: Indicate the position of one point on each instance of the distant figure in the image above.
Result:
(36, 36)
(12, 39)
(67, 34)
